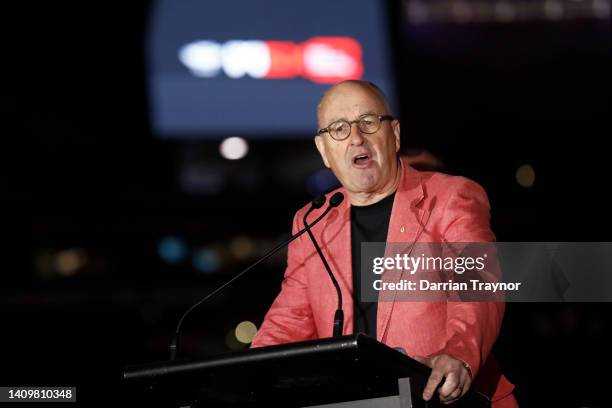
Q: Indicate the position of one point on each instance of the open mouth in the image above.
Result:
(361, 159)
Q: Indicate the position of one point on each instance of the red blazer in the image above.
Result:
(428, 207)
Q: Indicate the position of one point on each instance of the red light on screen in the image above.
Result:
(285, 60)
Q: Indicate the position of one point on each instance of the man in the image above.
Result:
(387, 200)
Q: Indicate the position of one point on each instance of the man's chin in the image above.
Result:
(365, 188)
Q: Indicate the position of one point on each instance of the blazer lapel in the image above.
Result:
(408, 220)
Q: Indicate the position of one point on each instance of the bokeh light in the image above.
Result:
(206, 260)
(69, 261)
(245, 332)
(234, 148)
(525, 176)
(242, 247)
(172, 250)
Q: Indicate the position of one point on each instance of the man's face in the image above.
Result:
(364, 163)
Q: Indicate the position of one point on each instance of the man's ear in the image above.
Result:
(321, 148)
(396, 132)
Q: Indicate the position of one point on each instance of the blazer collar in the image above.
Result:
(405, 223)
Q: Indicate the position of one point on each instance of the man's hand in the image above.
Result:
(457, 377)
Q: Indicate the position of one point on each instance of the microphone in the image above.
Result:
(334, 201)
(316, 203)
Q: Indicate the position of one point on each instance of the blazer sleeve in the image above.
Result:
(290, 317)
(472, 327)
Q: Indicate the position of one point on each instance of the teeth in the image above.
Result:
(361, 156)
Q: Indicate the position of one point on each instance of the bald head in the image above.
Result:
(346, 87)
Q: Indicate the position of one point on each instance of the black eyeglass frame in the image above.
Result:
(381, 118)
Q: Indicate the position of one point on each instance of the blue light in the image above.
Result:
(172, 250)
(206, 261)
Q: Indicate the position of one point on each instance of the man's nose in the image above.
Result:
(356, 137)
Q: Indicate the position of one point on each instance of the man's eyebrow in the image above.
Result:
(369, 112)
(331, 122)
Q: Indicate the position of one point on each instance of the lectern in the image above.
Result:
(343, 372)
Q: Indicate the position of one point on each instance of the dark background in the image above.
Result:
(81, 169)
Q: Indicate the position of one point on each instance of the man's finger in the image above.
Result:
(462, 388)
(432, 384)
(451, 384)
(466, 382)
(454, 396)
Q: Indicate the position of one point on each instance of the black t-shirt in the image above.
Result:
(368, 224)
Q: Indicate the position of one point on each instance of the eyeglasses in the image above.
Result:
(341, 129)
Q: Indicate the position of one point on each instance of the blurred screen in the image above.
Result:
(256, 68)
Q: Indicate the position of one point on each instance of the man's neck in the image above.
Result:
(368, 198)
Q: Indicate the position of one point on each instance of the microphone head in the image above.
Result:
(336, 199)
(318, 201)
